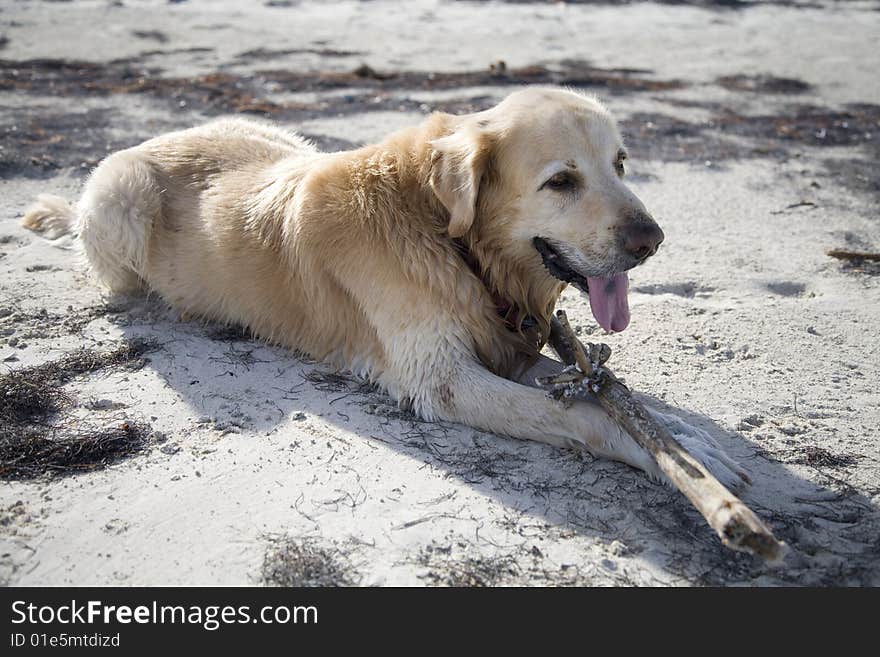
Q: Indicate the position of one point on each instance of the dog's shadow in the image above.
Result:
(237, 384)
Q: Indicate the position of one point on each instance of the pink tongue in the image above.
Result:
(608, 301)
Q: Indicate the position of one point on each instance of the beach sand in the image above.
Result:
(754, 139)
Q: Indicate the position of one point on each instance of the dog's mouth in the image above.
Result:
(608, 294)
(558, 267)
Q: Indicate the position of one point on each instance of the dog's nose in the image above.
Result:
(641, 238)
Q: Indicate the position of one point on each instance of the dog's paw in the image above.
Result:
(704, 448)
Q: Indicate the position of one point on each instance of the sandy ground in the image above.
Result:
(754, 134)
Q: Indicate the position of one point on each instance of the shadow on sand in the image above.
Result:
(242, 385)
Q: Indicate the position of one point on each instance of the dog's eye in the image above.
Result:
(560, 182)
(618, 165)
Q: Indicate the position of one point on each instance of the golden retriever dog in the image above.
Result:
(429, 263)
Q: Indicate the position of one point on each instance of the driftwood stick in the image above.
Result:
(843, 254)
(737, 525)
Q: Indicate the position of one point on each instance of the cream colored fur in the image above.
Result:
(350, 257)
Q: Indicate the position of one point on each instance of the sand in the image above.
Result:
(754, 136)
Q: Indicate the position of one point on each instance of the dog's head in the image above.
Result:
(535, 188)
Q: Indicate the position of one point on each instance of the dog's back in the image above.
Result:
(179, 211)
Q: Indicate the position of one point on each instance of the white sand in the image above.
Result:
(741, 324)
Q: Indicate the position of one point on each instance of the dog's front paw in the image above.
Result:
(704, 448)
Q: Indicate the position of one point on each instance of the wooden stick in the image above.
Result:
(843, 254)
(737, 525)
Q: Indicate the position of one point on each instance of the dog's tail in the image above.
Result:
(51, 216)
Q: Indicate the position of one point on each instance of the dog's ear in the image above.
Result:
(459, 163)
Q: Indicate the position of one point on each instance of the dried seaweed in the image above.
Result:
(32, 452)
(37, 436)
(291, 562)
(229, 92)
(766, 84)
(477, 571)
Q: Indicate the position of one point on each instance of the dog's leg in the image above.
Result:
(698, 443)
(429, 362)
(483, 400)
(442, 380)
